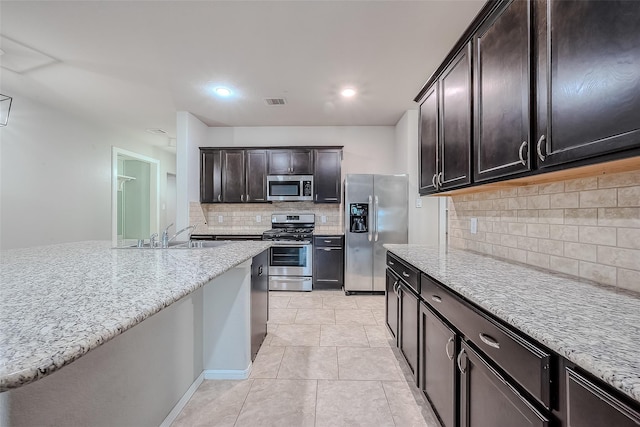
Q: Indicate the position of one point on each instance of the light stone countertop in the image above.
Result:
(58, 302)
(595, 327)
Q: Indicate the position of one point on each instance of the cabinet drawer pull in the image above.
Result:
(489, 340)
(391, 263)
(327, 241)
(462, 370)
(329, 198)
(405, 274)
(539, 148)
(522, 146)
(446, 348)
(436, 298)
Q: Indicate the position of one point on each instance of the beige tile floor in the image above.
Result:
(328, 360)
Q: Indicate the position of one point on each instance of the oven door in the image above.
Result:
(290, 259)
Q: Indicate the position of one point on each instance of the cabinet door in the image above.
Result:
(501, 60)
(256, 175)
(327, 180)
(210, 176)
(233, 176)
(301, 162)
(328, 268)
(409, 310)
(279, 162)
(429, 142)
(486, 400)
(391, 303)
(588, 78)
(589, 405)
(259, 301)
(455, 122)
(438, 372)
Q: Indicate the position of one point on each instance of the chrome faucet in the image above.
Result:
(152, 240)
(165, 237)
(191, 229)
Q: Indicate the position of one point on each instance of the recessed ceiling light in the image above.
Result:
(222, 91)
(348, 92)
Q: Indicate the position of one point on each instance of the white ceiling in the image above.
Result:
(135, 63)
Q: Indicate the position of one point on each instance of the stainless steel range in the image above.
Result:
(291, 256)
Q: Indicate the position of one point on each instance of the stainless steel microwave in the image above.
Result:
(287, 188)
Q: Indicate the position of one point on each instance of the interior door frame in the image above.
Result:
(155, 163)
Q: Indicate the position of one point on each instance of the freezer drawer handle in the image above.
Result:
(489, 340)
(436, 298)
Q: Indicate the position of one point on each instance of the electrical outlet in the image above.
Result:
(474, 225)
(323, 219)
(258, 218)
(220, 218)
(418, 202)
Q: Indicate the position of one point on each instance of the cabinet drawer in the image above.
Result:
(525, 362)
(405, 271)
(327, 241)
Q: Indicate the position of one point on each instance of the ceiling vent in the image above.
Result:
(275, 101)
(157, 131)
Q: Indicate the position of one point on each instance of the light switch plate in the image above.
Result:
(258, 218)
(323, 218)
(418, 202)
(219, 218)
(474, 225)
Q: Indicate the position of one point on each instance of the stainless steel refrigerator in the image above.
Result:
(375, 213)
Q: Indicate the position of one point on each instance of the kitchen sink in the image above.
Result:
(181, 244)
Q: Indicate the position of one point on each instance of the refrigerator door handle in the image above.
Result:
(370, 234)
(375, 213)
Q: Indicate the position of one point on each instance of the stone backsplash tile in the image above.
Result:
(587, 227)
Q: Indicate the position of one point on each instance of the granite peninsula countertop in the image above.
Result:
(58, 302)
(594, 327)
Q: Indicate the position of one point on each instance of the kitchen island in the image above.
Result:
(597, 328)
(61, 303)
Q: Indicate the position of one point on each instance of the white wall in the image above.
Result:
(55, 175)
(424, 221)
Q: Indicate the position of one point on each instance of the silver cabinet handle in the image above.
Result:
(331, 249)
(247, 197)
(242, 197)
(219, 197)
(436, 298)
(405, 274)
(370, 234)
(522, 146)
(440, 179)
(433, 181)
(391, 263)
(489, 340)
(395, 287)
(462, 370)
(539, 148)
(316, 197)
(327, 241)
(446, 348)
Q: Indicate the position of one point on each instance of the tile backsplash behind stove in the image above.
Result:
(587, 227)
(241, 217)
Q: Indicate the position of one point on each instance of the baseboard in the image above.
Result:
(227, 374)
(183, 401)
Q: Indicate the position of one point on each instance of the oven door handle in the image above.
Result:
(292, 245)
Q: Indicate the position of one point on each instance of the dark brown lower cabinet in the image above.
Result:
(259, 301)
(391, 303)
(589, 405)
(487, 400)
(437, 365)
(328, 262)
(408, 343)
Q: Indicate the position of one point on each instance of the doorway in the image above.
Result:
(135, 197)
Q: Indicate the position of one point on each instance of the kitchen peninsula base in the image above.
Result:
(140, 375)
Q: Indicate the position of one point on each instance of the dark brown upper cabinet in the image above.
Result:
(429, 142)
(454, 87)
(256, 175)
(501, 93)
(327, 178)
(291, 162)
(233, 177)
(210, 176)
(588, 79)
